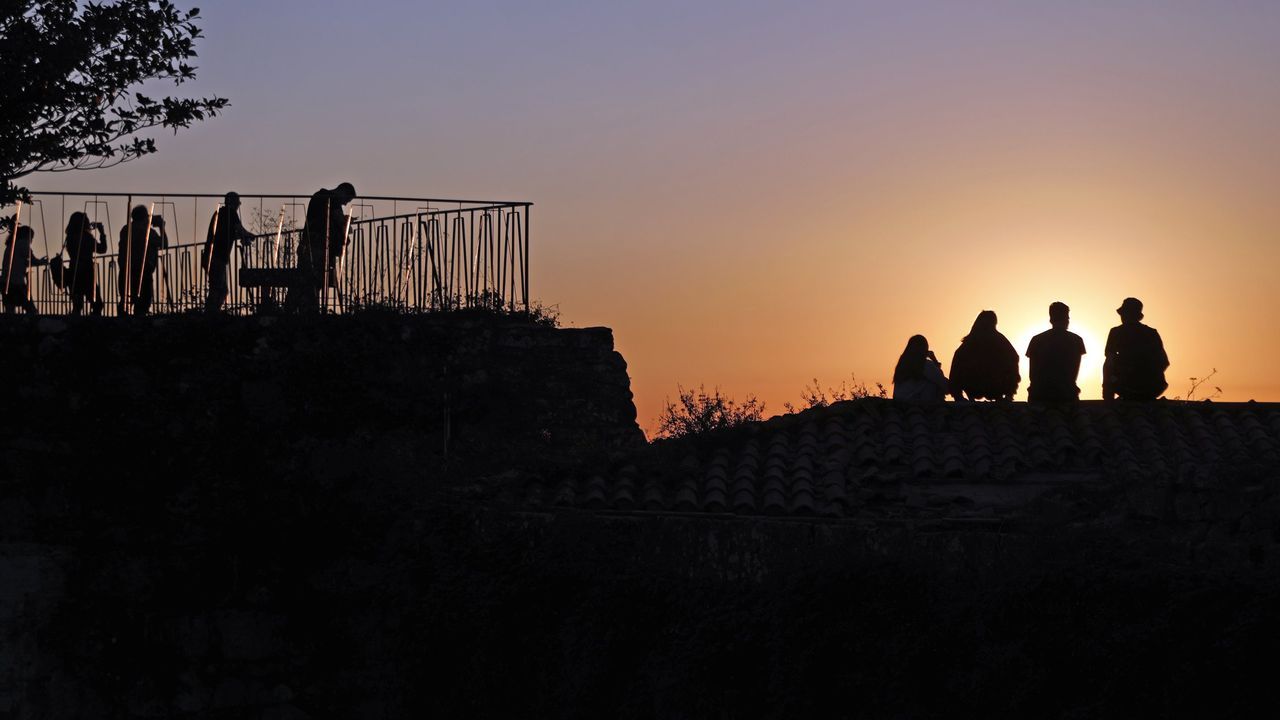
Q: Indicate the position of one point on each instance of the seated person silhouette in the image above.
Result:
(1135, 358)
(985, 366)
(918, 376)
(1055, 359)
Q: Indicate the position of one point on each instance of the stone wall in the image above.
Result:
(292, 518)
(441, 386)
(181, 497)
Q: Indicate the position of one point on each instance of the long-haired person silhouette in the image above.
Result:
(918, 376)
(985, 366)
(82, 279)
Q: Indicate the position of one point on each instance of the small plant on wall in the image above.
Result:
(698, 411)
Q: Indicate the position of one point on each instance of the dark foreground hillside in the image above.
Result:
(395, 517)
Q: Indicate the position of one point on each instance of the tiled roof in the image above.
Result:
(843, 459)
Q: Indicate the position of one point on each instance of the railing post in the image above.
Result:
(525, 240)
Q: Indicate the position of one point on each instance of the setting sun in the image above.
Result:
(1090, 379)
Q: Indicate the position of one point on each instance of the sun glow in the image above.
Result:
(1090, 378)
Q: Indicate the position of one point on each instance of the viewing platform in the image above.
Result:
(404, 253)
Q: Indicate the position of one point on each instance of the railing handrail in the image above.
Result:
(354, 222)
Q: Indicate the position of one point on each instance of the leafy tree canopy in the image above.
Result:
(72, 71)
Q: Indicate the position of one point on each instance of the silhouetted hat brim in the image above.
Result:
(1130, 305)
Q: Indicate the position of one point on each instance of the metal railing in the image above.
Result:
(413, 254)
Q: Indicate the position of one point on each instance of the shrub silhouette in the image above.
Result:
(813, 396)
(697, 412)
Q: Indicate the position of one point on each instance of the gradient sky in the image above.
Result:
(754, 194)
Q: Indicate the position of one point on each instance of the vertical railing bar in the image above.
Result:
(511, 296)
(524, 239)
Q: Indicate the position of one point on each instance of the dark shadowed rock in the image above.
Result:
(387, 516)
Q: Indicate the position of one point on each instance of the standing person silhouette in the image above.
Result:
(224, 229)
(1135, 357)
(1055, 359)
(918, 376)
(985, 366)
(82, 275)
(18, 260)
(323, 240)
(141, 241)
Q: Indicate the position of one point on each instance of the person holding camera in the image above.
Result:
(918, 376)
(82, 280)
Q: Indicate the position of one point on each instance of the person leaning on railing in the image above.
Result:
(323, 240)
(985, 366)
(224, 229)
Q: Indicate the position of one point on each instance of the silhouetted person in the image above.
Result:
(81, 274)
(985, 366)
(1055, 359)
(18, 259)
(140, 243)
(323, 240)
(918, 376)
(1135, 358)
(224, 229)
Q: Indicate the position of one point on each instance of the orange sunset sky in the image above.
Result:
(756, 194)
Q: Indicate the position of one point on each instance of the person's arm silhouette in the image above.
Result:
(1109, 353)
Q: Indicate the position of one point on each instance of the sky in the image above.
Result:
(757, 194)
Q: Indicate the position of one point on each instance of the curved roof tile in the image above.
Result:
(826, 461)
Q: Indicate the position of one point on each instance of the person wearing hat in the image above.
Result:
(224, 229)
(1055, 359)
(1135, 357)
